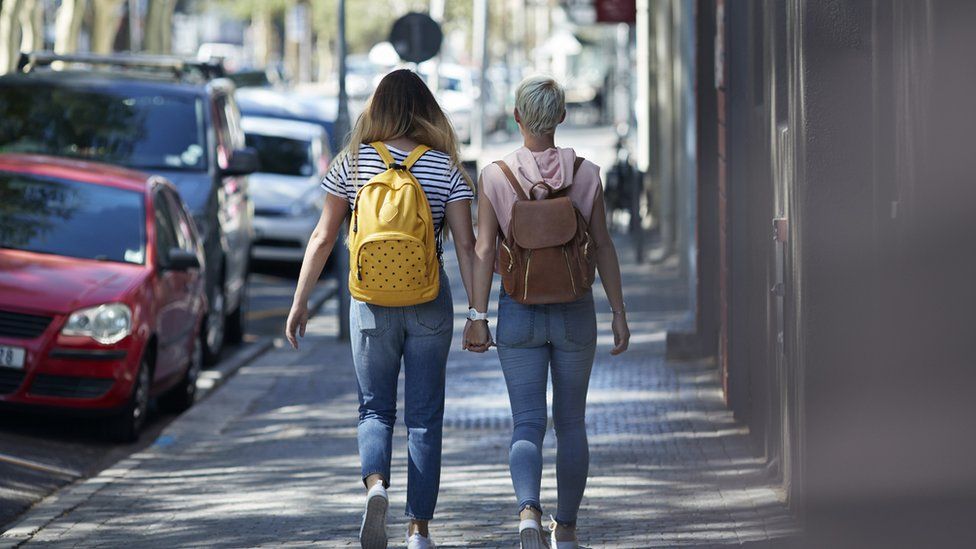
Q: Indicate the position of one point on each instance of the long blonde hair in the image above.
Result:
(403, 106)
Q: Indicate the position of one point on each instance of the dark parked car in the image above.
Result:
(287, 195)
(101, 291)
(301, 107)
(157, 115)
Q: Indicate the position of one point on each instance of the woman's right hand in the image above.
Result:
(621, 334)
(477, 336)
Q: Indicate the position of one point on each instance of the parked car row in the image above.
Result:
(127, 227)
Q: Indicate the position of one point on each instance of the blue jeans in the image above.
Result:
(532, 339)
(420, 335)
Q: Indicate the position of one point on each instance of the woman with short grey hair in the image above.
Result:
(556, 337)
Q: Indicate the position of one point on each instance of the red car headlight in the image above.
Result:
(106, 324)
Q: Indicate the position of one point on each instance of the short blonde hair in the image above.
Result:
(541, 103)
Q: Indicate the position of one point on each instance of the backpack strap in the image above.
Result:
(384, 153)
(415, 155)
(511, 179)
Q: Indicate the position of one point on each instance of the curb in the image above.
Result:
(70, 496)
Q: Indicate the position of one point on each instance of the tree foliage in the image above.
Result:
(367, 21)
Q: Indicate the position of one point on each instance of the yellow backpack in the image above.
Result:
(392, 248)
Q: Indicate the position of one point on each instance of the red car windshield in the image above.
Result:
(72, 219)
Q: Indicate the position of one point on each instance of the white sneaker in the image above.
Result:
(372, 534)
(530, 535)
(560, 544)
(418, 541)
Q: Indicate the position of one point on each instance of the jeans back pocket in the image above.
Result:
(579, 321)
(516, 322)
(436, 315)
(371, 320)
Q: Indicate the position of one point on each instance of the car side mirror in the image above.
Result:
(181, 260)
(242, 162)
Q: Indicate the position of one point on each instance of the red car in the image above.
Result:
(101, 291)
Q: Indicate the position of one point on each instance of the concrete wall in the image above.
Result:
(847, 338)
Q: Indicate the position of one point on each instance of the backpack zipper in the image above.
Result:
(569, 267)
(511, 258)
(525, 283)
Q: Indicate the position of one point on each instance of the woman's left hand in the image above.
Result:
(295, 326)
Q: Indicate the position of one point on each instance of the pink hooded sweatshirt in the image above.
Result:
(552, 166)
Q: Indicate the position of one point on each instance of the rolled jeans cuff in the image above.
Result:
(386, 482)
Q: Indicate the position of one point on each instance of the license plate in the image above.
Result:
(11, 357)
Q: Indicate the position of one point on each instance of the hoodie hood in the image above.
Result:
(553, 167)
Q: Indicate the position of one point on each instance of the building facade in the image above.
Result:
(833, 265)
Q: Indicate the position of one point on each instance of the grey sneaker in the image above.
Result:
(530, 535)
(418, 541)
(560, 544)
(372, 534)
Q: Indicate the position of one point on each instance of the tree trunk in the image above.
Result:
(108, 16)
(10, 34)
(263, 35)
(32, 25)
(159, 26)
(67, 25)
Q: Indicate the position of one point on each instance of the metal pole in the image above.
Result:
(342, 135)
(437, 14)
(481, 57)
(543, 14)
(135, 26)
(304, 16)
(643, 119)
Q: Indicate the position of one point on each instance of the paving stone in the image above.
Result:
(271, 458)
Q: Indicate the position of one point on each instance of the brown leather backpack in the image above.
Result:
(548, 255)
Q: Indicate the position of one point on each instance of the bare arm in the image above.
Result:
(459, 219)
(484, 253)
(320, 246)
(484, 263)
(609, 267)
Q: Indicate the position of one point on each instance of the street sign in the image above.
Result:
(416, 37)
(616, 11)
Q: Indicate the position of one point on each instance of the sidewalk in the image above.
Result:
(270, 458)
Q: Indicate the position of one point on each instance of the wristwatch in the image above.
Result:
(475, 315)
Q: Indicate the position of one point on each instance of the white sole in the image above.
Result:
(530, 538)
(372, 534)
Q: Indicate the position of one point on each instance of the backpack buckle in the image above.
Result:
(396, 166)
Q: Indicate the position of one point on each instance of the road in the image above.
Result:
(40, 454)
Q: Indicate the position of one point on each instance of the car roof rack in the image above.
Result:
(178, 67)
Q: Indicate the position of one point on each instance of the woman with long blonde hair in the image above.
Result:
(401, 115)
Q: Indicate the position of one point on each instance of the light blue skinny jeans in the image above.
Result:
(532, 340)
(420, 336)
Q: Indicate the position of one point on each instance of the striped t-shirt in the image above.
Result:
(441, 181)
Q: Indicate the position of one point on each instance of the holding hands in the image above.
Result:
(477, 336)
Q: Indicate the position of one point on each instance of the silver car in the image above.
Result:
(286, 193)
